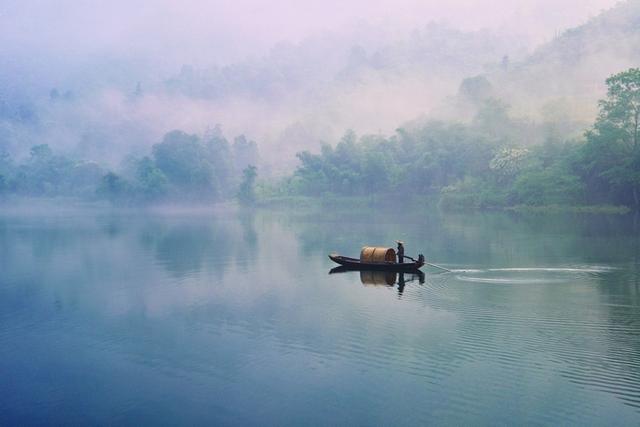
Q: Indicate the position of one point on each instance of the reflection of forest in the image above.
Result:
(92, 267)
(497, 239)
(204, 291)
(187, 244)
(99, 245)
(184, 246)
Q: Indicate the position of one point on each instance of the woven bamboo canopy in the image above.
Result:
(377, 254)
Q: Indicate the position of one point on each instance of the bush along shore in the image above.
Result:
(487, 163)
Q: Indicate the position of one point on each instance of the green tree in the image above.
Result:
(620, 111)
(219, 156)
(551, 186)
(153, 182)
(113, 187)
(475, 89)
(245, 152)
(186, 164)
(611, 158)
(493, 121)
(247, 191)
(45, 173)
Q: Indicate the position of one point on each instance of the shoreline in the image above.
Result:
(44, 205)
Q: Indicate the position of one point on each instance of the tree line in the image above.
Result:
(487, 163)
(484, 164)
(181, 168)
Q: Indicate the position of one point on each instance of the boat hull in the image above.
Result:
(356, 264)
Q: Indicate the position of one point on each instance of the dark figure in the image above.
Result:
(401, 284)
(400, 252)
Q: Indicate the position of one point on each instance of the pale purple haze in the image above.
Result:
(188, 29)
(302, 72)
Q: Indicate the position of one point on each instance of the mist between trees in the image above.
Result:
(474, 165)
(180, 168)
(480, 165)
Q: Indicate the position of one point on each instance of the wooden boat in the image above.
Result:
(356, 264)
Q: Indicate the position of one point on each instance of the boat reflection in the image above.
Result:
(383, 278)
(375, 278)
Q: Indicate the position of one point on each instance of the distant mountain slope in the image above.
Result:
(292, 98)
(433, 52)
(574, 66)
(615, 29)
(299, 95)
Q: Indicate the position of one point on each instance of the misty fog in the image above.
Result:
(287, 74)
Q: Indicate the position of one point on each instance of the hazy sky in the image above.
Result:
(100, 49)
(189, 29)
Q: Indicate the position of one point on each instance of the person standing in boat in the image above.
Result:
(400, 251)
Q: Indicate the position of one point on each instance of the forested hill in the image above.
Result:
(299, 94)
(570, 70)
(616, 30)
(290, 98)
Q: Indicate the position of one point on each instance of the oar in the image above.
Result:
(432, 265)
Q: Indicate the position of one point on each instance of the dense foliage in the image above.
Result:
(181, 167)
(45, 173)
(610, 163)
(247, 191)
(184, 167)
(486, 164)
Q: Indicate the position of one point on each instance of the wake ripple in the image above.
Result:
(581, 332)
(528, 275)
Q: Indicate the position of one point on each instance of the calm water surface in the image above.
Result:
(226, 318)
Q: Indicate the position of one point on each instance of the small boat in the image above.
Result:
(356, 264)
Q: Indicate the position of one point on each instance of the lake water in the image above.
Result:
(232, 318)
